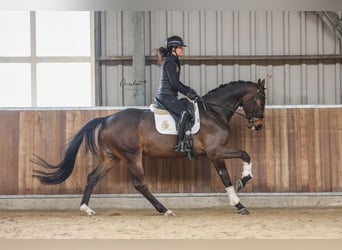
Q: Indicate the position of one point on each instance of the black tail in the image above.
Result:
(64, 169)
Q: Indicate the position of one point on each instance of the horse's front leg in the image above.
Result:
(228, 153)
(234, 199)
(246, 175)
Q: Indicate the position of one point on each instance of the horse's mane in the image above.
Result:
(223, 85)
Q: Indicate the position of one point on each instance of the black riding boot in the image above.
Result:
(181, 146)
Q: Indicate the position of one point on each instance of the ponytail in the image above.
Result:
(160, 54)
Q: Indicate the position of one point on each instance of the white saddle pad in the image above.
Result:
(165, 124)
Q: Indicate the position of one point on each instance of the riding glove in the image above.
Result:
(193, 95)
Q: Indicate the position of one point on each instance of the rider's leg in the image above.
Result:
(181, 145)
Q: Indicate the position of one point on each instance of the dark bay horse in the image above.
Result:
(130, 134)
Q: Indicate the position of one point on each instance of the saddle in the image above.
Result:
(166, 124)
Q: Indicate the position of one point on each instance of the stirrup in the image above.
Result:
(182, 147)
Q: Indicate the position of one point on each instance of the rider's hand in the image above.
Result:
(193, 95)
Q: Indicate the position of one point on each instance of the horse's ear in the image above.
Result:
(261, 84)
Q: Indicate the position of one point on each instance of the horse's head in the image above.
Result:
(253, 104)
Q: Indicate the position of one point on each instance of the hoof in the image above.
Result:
(243, 211)
(169, 213)
(88, 210)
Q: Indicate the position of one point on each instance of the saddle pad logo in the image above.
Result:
(165, 124)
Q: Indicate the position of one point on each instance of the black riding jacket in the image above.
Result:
(169, 77)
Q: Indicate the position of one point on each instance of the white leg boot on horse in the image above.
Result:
(88, 210)
(234, 199)
(245, 177)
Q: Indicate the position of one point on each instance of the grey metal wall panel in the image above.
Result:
(228, 33)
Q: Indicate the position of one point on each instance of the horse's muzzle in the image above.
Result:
(255, 123)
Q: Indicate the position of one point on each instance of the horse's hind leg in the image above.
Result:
(140, 185)
(100, 171)
(221, 169)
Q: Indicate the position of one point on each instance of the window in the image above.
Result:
(46, 59)
(63, 33)
(58, 84)
(15, 26)
(15, 85)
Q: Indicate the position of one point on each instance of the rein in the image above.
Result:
(226, 108)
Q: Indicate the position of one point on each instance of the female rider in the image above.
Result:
(170, 86)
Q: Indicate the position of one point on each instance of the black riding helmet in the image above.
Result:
(174, 41)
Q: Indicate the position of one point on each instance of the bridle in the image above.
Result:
(254, 113)
(248, 116)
